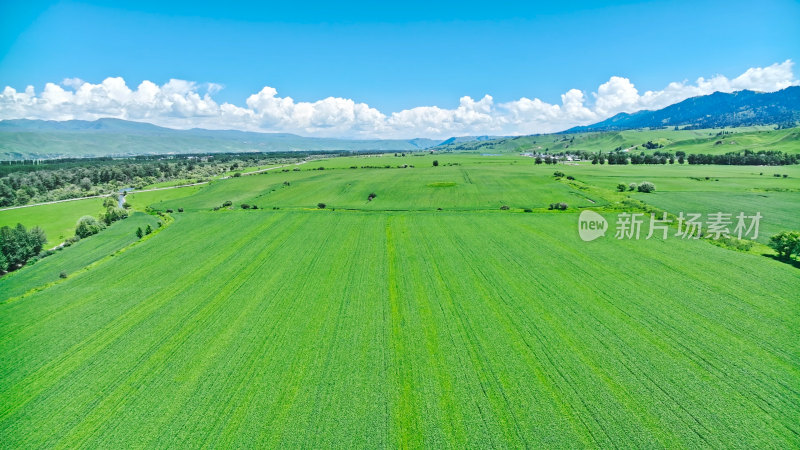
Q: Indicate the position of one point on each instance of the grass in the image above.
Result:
(57, 220)
(388, 323)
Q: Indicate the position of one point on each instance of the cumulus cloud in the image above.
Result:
(187, 104)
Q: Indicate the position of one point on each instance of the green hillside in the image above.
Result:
(707, 141)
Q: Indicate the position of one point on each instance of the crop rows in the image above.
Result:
(354, 329)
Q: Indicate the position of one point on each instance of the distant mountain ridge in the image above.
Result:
(741, 108)
(31, 139)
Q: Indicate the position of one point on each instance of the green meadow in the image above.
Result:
(425, 317)
(56, 219)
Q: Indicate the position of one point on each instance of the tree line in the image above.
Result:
(23, 183)
(745, 158)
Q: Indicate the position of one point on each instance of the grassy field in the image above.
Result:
(390, 323)
(420, 188)
(141, 200)
(57, 219)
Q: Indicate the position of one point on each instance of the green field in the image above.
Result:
(420, 188)
(57, 219)
(69, 260)
(391, 323)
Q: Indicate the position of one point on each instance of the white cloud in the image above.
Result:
(186, 104)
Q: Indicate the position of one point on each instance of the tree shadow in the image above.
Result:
(792, 262)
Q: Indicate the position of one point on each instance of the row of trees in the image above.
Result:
(746, 158)
(18, 245)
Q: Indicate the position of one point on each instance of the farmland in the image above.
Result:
(57, 219)
(425, 317)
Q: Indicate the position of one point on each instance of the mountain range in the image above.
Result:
(741, 108)
(31, 139)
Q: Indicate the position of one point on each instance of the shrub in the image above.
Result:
(245, 206)
(227, 203)
(733, 243)
(62, 274)
(255, 206)
(558, 174)
(149, 229)
(371, 196)
(504, 208)
(113, 214)
(321, 205)
(435, 162)
(180, 209)
(528, 210)
(570, 177)
(139, 232)
(87, 226)
(237, 175)
(647, 187)
(621, 187)
(563, 206)
(169, 211)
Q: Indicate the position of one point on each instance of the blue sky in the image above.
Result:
(393, 56)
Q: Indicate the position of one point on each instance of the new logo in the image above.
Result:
(591, 225)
